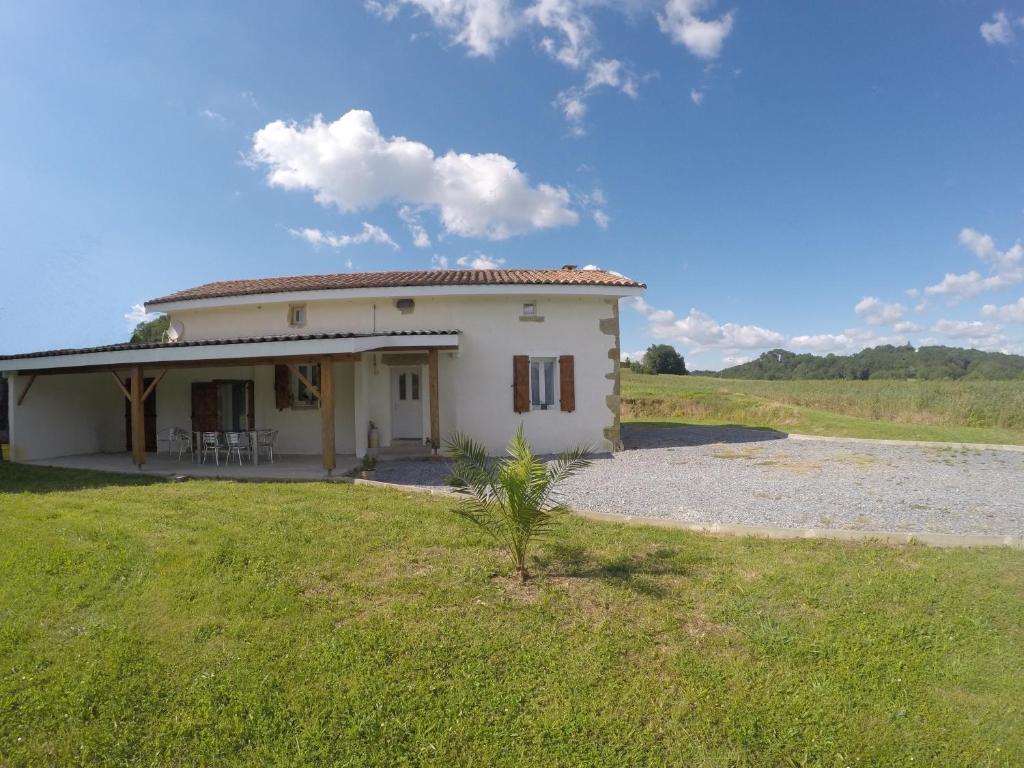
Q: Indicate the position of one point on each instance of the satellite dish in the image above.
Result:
(176, 330)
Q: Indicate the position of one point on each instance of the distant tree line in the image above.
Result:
(659, 358)
(885, 362)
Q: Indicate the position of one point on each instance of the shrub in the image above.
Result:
(512, 499)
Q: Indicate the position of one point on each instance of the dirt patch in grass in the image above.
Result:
(798, 466)
(699, 626)
(752, 452)
(860, 459)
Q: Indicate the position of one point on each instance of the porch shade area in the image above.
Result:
(317, 391)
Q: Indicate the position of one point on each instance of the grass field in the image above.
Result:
(211, 623)
(957, 411)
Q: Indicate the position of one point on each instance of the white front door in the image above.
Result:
(406, 403)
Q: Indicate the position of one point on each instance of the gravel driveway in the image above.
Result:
(759, 478)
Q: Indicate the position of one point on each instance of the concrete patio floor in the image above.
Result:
(284, 467)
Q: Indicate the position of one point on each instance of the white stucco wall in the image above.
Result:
(64, 415)
(298, 428)
(476, 382)
(79, 413)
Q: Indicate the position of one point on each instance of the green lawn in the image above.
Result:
(947, 411)
(212, 623)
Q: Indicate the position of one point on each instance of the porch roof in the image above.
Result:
(255, 349)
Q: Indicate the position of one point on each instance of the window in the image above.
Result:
(542, 383)
(304, 396)
(297, 315)
(409, 386)
(529, 308)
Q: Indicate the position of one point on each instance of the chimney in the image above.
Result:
(569, 267)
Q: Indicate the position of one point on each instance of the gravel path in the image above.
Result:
(751, 477)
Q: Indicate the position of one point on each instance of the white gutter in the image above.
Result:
(610, 291)
(261, 349)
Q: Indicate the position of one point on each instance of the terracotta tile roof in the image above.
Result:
(412, 278)
(219, 342)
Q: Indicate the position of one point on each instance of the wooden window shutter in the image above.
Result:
(282, 387)
(567, 382)
(520, 383)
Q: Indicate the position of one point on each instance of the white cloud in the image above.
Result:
(249, 98)
(475, 260)
(479, 261)
(906, 326)
(702, 37)
(138, 314)
(611, 73)
(849, 341)
(594, 267)
(214, 117)
(1007, 269)
(876, 312)
(736, 359)
(601, 218)
(481, 26)
(1010, 313)
(350, 165)
(369, 234)
(575, 29)
(999, 31)
(386, 9)
(958, 329)
(699, 331)
(635, 357)
(568, 34)
(964, 286)
(604, 73)
(982, 246)
(420, 238)
(976, 334)
(696, 96)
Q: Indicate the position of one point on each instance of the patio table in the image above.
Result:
(197, 442)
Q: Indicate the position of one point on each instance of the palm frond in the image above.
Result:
(510, 498)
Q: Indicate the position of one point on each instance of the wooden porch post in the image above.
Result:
(435, 412)
(138, 422)
(327, 411)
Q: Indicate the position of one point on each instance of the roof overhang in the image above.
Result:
(291, 297)
(231, 352)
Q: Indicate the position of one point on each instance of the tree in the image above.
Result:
(511, 499)
(150, 331)
(663, 358)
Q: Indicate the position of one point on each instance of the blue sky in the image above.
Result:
(816, 176)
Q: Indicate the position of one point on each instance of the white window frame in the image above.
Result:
(294, 322)
(555, 403)
(312, 372)
(413, 386)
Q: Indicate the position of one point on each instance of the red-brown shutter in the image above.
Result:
(282, 387)
(520, 383)
(567, 382)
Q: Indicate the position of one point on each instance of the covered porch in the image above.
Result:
(285, 468)
(103, 408)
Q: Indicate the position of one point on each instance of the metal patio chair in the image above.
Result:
(211, 444)
(235, 444)
(181, 439)
(265, 439)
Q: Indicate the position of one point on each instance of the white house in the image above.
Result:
(418, 354)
